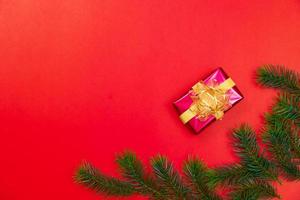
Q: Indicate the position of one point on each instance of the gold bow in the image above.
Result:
(208, 99)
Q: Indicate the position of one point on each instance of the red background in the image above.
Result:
(85, 79)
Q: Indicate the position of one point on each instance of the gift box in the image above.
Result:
(208, 100)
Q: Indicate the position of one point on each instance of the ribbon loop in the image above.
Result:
(208, 100)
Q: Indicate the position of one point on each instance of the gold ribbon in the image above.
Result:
(208, 99)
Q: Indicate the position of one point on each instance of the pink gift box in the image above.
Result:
(186, 101)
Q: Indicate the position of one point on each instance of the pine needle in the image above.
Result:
(254, 191)
(230, 175)
(277, 138)
(257, 165)
(287, 107)
(197, 175)
(168, 178)
(132, 170)
(92, 178)
(279, 77)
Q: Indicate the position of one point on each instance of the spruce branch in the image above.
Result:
(287, 112)
(279, 77)
(245, 145)
(132, 170)
(230, 175)
(254, 191)
(295, 142)
(168, 178)
(197, 176)
(90, 177)
(281, 154)
(287, 107)
(277, 138)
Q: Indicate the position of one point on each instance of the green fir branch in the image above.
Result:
(168, 178)
(287, 107)
(295, 142)
(279, 77)
(245, 145)
(197, 176)
(278, 141)
(90, 177)
(287, 112)
(132, 170)
(230, 175)
(254, 191)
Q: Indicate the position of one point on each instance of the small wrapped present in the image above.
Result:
(208, 100)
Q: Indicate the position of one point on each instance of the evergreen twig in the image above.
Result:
(92, 178)
(132, 170)
(287, 107)
(257, 165)
(168, 178)
(253, 191)
(287, 113)
(279, 77)
(197, 175)
(230, 175)
(277, 138)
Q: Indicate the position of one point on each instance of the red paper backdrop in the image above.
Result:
(85, 79)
